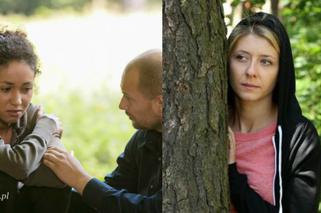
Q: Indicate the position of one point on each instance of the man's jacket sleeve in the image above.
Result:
(105, 198)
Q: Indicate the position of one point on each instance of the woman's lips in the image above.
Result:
(15, 113)
(250, 86)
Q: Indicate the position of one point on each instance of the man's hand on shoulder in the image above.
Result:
(67, 168)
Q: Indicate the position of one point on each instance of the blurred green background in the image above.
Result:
(83, 46)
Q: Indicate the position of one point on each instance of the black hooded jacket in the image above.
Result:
(296, 142)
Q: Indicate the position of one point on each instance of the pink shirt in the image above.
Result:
(255, 157)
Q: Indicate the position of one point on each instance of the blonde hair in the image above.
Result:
(256, 29)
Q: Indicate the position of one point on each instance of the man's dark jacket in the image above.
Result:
(136, 184)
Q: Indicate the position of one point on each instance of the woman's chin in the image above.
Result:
(10, 121)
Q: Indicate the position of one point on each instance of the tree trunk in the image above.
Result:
(275, 7)
(195, 175)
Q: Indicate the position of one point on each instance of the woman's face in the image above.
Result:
(254, 65)
(16, 89)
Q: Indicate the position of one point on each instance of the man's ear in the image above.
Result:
(158, 104)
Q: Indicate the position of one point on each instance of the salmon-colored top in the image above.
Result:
(255, 157)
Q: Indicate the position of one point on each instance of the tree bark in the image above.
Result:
(275, 7)
(195, 175)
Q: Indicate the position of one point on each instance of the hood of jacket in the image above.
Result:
(289, 111)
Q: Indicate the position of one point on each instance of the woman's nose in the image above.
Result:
(251, 69)
(16, 98)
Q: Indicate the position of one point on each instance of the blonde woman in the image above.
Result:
(275, 154)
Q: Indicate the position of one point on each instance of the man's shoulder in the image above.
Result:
(146, 134)
(142, 137)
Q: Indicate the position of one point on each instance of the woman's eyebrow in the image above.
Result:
(6, 82)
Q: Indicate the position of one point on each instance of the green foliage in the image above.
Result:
(94, 128)
(29, 7)
(302, 21)
(253, 2)
(235, 3)
(249, 6)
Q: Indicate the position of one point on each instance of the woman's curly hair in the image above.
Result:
(14, 45)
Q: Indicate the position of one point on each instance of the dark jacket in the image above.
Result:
(296, 143)
(135, 185)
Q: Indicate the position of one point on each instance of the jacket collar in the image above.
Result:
(153, 141)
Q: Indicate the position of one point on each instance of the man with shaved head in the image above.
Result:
(136, 184)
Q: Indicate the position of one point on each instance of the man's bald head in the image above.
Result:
(149, 66)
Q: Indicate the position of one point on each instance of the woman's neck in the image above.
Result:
(253, 116)
(4, 125)
(6, 134)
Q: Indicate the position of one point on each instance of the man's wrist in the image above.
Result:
(81, 183)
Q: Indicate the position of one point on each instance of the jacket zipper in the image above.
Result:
(278, 167)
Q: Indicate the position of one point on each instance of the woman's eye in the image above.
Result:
(26, 89)
(5, 89)
(266, 62)
(240, 58)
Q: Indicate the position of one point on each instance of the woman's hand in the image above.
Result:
(232, 146)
